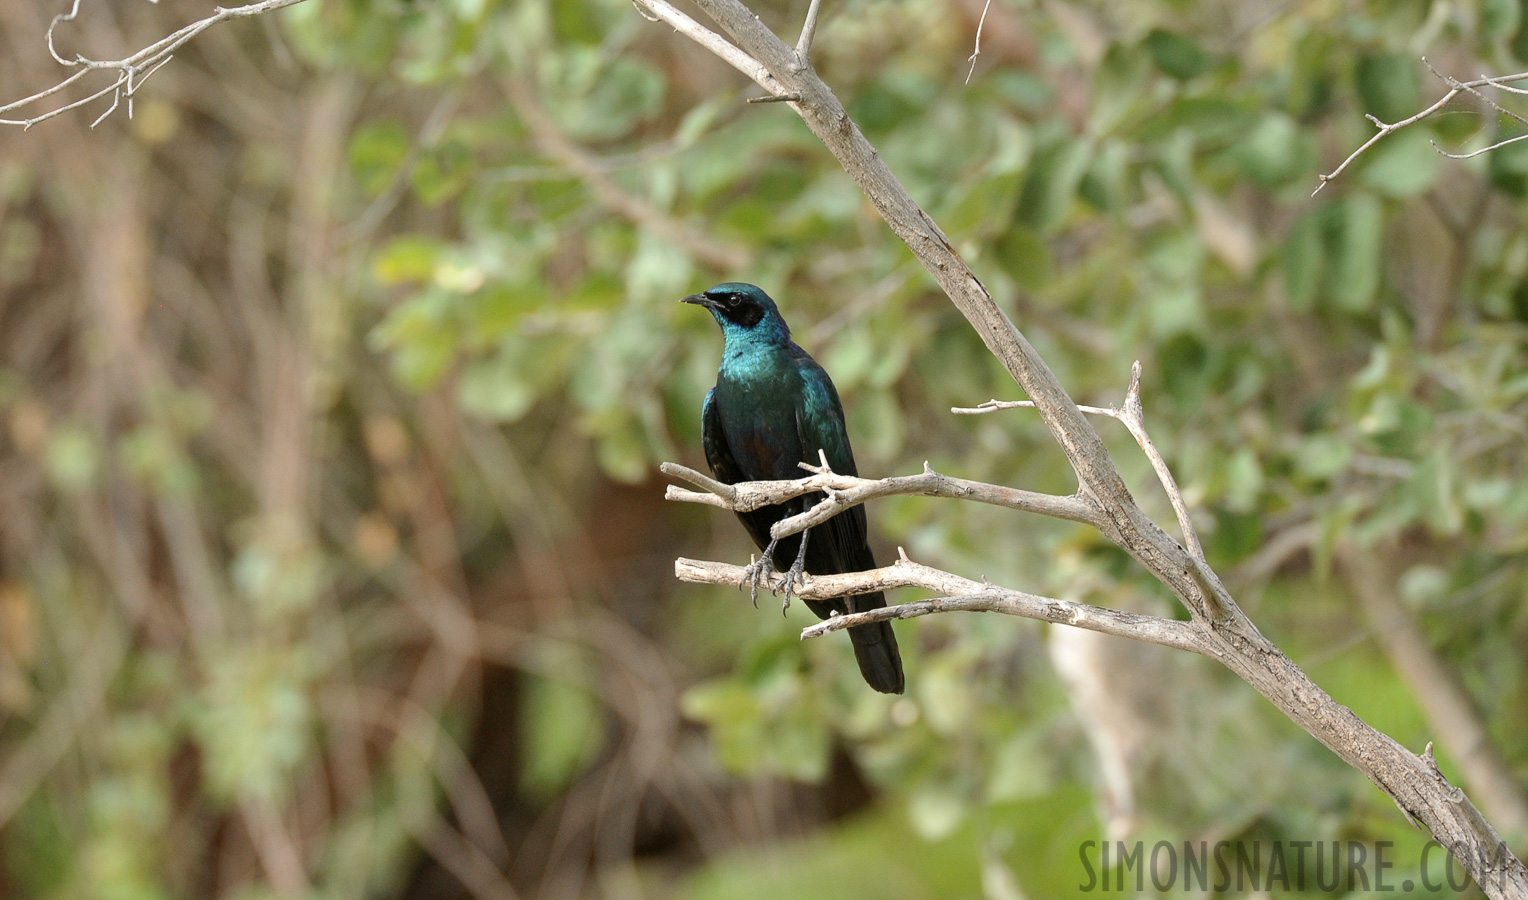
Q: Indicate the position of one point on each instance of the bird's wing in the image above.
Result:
(718, 455)
(820, 419)
(726, 468)
(820, 423)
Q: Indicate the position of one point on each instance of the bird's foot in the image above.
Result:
(756, 571)
(796, 573)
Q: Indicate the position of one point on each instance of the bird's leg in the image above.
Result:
(757, 570)
(798, 569)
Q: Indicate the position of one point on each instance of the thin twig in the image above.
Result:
(964, 595)
(845, 491)
(1474, 153)
(987, 406)
(131, 71)
(978, 50)
(1455, 88)
(808, 30)
(1458, 85)
(1134, 419)
(718, 45)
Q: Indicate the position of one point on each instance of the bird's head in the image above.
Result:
(743, 310)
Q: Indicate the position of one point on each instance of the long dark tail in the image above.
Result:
(875, 646)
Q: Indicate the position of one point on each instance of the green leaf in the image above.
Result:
(443, 171)
(409, 259)
(1321, 456)
(253, 721)
(1176, 55)
(1025, 257)
(1389, 86)
(623, 454)
(495, 311)
(935, 811)
(1508, 166)
(1118, 84)
(1271, 153)
(72, 459)
(1435, 483)
(1051, 183)
(1500, 18)
(1355, 243)
(1402, 165)
(1304, 259)
(564, 729)
(599, 99)
(422, 338)
(377, 151)
(658, 270)
(1106, 185)
(494, 389)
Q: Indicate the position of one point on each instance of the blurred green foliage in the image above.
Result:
(1131, 181)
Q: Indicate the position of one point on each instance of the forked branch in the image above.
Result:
(965, 595)
(1133, 416)
(131, 72)
(1455, 88)
(844, 491)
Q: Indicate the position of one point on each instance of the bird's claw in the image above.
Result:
(789, 582)
(797, 570)
(756, 571)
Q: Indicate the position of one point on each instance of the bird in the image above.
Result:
(772, 409)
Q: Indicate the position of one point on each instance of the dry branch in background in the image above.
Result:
(1455, 88)
(131, 71)
(1217, 627)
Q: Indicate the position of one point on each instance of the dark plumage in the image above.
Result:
(774, 407)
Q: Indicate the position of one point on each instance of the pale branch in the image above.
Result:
(1133, 417)
(1455, 88)
(1455, 84)
(977, 50)
(1483, 150)
(663, 11)
(1223, 629)
(845, 491)
(131, 71)
(808, 30)
(963, 595)
(987, 406)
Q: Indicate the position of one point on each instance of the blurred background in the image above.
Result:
(333, 559)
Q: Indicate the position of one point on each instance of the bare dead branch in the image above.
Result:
(1134, 419)
(1474, 153)
(845, 491)
(808, 30)
(1455, 84)
(1440, 694)
(1456, 87)
(131, 71)
(977, 51)
(964, 595)
(718, 45)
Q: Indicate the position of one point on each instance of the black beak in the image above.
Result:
(698, 300)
